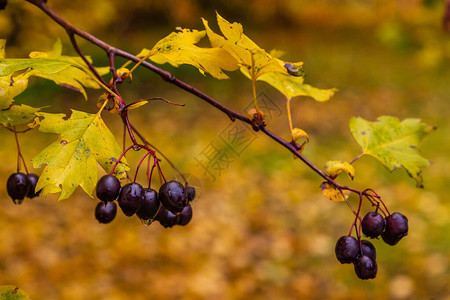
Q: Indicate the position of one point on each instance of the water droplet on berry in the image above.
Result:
(136, 148)
(146, 222)
(18, 201)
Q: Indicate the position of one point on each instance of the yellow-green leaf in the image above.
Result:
(292, 86)
(333, 193)
(2, 48)
(246, 52)
(395, 144)
(17, 115)
(71, 161)
(12, 292)
(66, 71)
(137, 104)
(335, 167)
(179, 48)
(10, 87)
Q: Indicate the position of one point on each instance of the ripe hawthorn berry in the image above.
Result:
(166, 218)
(17, 187)
(32, 181)
(105, 212)
(108, 188)
(150, 205)
(173, 196)
(190, 192)
(373, 224)
(396, 228)
(185, 216)
(366, 267)
(347, 249)
(130, 198)
(368, 249)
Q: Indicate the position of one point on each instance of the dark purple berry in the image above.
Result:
(366, 267)
(173, 196)
(347, 249)
(190, 192)
(368, 249)
(166, 218)
(32, 181)
(185, 216)
(108, 188)
(17, 187)
(396, 228)
(150, 205)
(130, 198)
(373, 224)
(105, 212)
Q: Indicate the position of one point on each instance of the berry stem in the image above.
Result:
(19, 153)
(140, 163)
(356, 158)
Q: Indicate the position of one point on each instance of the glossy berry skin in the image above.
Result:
(347, 249)
(190, 192)
(130, 198)
(150, 205)
(185, 216)
(32, 181)
(373, 224)
(105, 212)
(368, 249)
(396, 228)
(366, 267)
(166, 218)
(173, 196)
(108, 188)
(17, 187)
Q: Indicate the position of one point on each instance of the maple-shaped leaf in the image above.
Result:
(179, 48)
(71, 161)
(16, 115)
(67, 71)
(395, 144)
(255, 60)
(291, 86)
(12, 292)
(10, 87)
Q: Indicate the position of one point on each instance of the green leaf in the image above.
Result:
(335, 167)
(17, 115)
(179, 48)
(72, 159)
(292, 86)
(395, 144)
(67, 71)
(12, 292)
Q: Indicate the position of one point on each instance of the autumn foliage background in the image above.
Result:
(261, 230)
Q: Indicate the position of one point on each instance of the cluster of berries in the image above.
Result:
(361, 252)
(20, 185)
(171, 206)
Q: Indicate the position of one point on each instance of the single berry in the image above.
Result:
(166, 218)
(368, 249)
(366, 267)
(105, 212)
(173, 196)
(396, 228)
(108, 188)
(32, 181)
(373, 224)
(17, 187)
(190, 192)
(130, 198)
(185, 216)
(150, 205)
(347, 249)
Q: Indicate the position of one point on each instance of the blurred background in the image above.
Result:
(261, 228)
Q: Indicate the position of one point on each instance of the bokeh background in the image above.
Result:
(262, 229)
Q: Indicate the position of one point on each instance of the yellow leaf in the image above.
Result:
(333, 194)
(137, 104)
(298, 133)
(10, 87)
(2, 48)
(255, 60)
(179, 48)
(334, 167)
